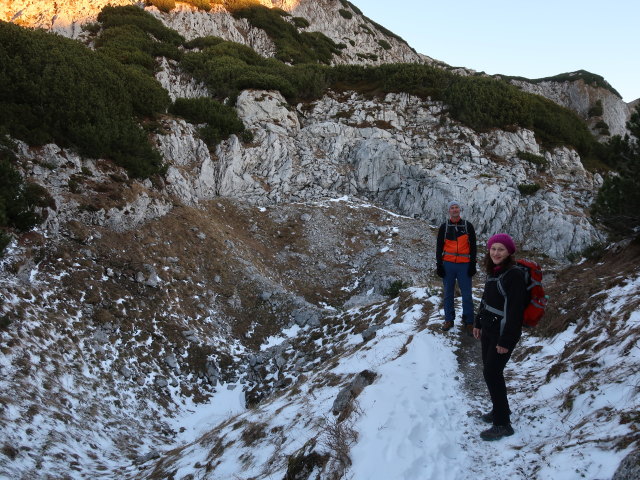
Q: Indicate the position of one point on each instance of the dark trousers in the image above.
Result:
(459, 272)
(493, 370)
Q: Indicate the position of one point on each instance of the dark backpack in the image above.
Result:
(534, 310)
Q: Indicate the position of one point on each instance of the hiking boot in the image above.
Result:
(447, 325)
(497, 432)
(487, 417)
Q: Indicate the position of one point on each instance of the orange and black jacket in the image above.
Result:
(456, 242)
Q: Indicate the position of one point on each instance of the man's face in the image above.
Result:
(454, 211)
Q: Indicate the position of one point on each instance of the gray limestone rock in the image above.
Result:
(629, 468)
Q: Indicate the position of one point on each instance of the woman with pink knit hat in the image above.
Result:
(498, 325)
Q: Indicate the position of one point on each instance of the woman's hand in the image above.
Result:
(500, 349)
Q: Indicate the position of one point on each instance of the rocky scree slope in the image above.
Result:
(106, 335)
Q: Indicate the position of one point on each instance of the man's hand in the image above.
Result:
(472, 269)
(440, 270)
(477, 332)
(501, 350)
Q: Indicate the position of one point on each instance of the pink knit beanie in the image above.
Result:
(505, 240)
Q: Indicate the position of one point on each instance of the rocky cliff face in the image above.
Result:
(65, 17)
(581, 98)
(401, 152)
(364, 42)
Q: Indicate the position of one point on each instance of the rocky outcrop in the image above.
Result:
(363, 41)
(581, 98)
(65, 17)
(401, 152)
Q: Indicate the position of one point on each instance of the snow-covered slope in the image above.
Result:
(574, 417)
(374, 390)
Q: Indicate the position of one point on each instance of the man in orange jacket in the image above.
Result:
(456, 260)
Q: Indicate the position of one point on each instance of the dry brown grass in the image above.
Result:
(573, 293)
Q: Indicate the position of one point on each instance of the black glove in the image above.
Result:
(440, 270)
(472, 269)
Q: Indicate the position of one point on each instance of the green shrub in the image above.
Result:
(111, 17)
(57, 90)
(162, 5)
(394, 289)
(528, 188)
(617, 205)
(200, 4)
(19, 200)
(345, 13)
(300, 22)
(92, 28)
(592, 252)
(238, 4)
(384, 44)
(596, 110)
(354, 8)
(366, 28)
(203, 42)
(128, 45)
(603, 127)
(292, 46)
(221, 120)
(367, 56)
(533, 158)
(134, 37)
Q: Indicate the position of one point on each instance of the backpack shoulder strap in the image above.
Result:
(501, 313)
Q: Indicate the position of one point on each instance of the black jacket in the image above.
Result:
(516, 295)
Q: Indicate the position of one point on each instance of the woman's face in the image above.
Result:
(498, 252)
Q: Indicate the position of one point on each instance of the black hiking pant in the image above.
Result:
(493, 370)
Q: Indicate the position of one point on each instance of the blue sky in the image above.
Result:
(528, 39)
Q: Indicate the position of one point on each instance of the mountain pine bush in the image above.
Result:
(57, 90)
(221, 120)
(19, 200)
(111, 17)
(162, 5)
(617, 205)
(292, 46)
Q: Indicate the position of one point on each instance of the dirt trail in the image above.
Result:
(468, 353)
